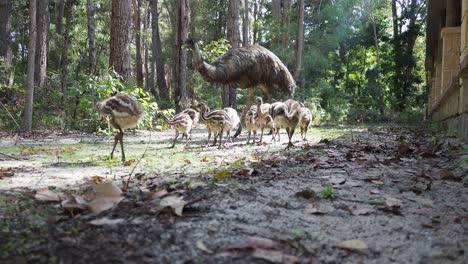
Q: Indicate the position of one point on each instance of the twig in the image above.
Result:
(136, 164)
(12, 118)
(6, 155)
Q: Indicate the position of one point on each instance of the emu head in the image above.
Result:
(259, 100)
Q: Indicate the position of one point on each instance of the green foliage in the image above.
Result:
(328, 192)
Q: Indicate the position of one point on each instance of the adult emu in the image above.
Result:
(247, 66)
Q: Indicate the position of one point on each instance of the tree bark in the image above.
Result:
(255, 23)
(157, 54)
(377, 51)
(233, 36)
(146, 22)
(285, 21)
(66, 43)
(119, 57)
(60, 5)
(182, 93)
(300, 44)
(137, 30)
(28, 104)
(5, 40)
(42, 43)
(91, 38)
(245, 24)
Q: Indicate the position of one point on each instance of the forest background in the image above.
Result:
(353, 60)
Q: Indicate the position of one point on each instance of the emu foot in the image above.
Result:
(290, 144)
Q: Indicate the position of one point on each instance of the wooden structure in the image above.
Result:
(447, 64)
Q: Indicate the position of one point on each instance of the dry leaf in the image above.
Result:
(449, 176)
(48, 196)
(156, 195)
(337, 180)
(177, 204)
(203, 247)
(246, 171)
(74, 204)
(187, 161)
(205, 159)
(261, 242)
(6, 173)
(315, 209)
(129, 162)
(361, 211)
(377, 182)
(107, 196)
(354, 244)
(374, 191)
(274, 256)
(106, 221)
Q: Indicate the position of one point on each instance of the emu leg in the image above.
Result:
(220, 138)
(255, 135)
(290, 134)
(175, 138)
(215, 134)
(116, 139)
(250, 100)
(248, 137)
(261, 135)
(208, 140)
(121, 144)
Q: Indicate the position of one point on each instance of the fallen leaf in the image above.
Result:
(107, 196)
(307, 194)
(274, 256)
(315, 209)
(187, 161)
(337, 180)
(8, 172)
(129, 162)
(246, 171)
(156, 195)
(361, 211)
(392, 205)
(96, 179)
(205, 159)
(177, 204)
(377, 182)
(261, 242)
(48, 196)
(106, 221)
(74, 204)
(449, 176)
(354, 244)
(374, 191)
(203, 247)
(220, 175)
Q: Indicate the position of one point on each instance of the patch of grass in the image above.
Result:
(296, 234)
(328, 192)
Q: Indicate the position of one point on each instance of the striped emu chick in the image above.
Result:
(232, 113)
(274, 128)
(182, 123)
(287, 118)
(263, 109)
(194, 115)
(251, 123)
(217, 121)
(305, 119)
(124, 112)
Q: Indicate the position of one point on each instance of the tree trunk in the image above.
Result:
(119, 54)
(285, 21)
(60, 5)
(245, 24)
(300, 44)
(380, 98)
(42, 43)
(28, 104)
(5, 41)
(147, 16)
(182, 93)
(137, 30)
(255, 23)
(91, 38)
(66, 43)
(157, 54)
(233, 36)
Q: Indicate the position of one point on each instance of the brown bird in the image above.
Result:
(125, 112)
(251, 123)
(247, 66)
(287, 117)
(182, 123)
(305, 119)
(217, 121)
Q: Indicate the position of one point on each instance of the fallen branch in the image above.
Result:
(6, 155)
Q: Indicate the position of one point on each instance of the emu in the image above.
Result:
(247, 66)
(125, 112)
(305, 119)
(251, 123)
(262, 111)
(287, 117)
(182, 123)
(217, 121)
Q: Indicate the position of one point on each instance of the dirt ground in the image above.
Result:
(359, 195)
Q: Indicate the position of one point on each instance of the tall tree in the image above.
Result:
(182, 93)
(233, 35)
(66, 44)
(300, 45)
(5, 40)
(59, 9)
(42, 43)
(280, 11)
(91, 38)
(137, 30)
(28, 104)
(157, 59)
(119, 57)
(245, 24)
(380, 96)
